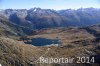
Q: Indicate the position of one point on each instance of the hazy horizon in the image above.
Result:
(48, 8)
(49, 4)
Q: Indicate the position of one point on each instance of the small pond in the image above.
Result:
(44, 41)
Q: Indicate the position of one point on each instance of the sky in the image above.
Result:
(49, 4)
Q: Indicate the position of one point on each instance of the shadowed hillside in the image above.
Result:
(9, 29)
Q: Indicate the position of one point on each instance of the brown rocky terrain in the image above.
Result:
(16, 53)
(74, 42)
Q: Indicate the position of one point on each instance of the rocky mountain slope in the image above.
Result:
(9, 29)
(47, 18)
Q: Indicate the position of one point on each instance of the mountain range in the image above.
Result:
(37, 18)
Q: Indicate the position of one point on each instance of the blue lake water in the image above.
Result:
(44, 41)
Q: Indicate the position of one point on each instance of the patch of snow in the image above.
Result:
(35, 9)
(0, 65)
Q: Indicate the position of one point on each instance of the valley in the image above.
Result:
(27, 35)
